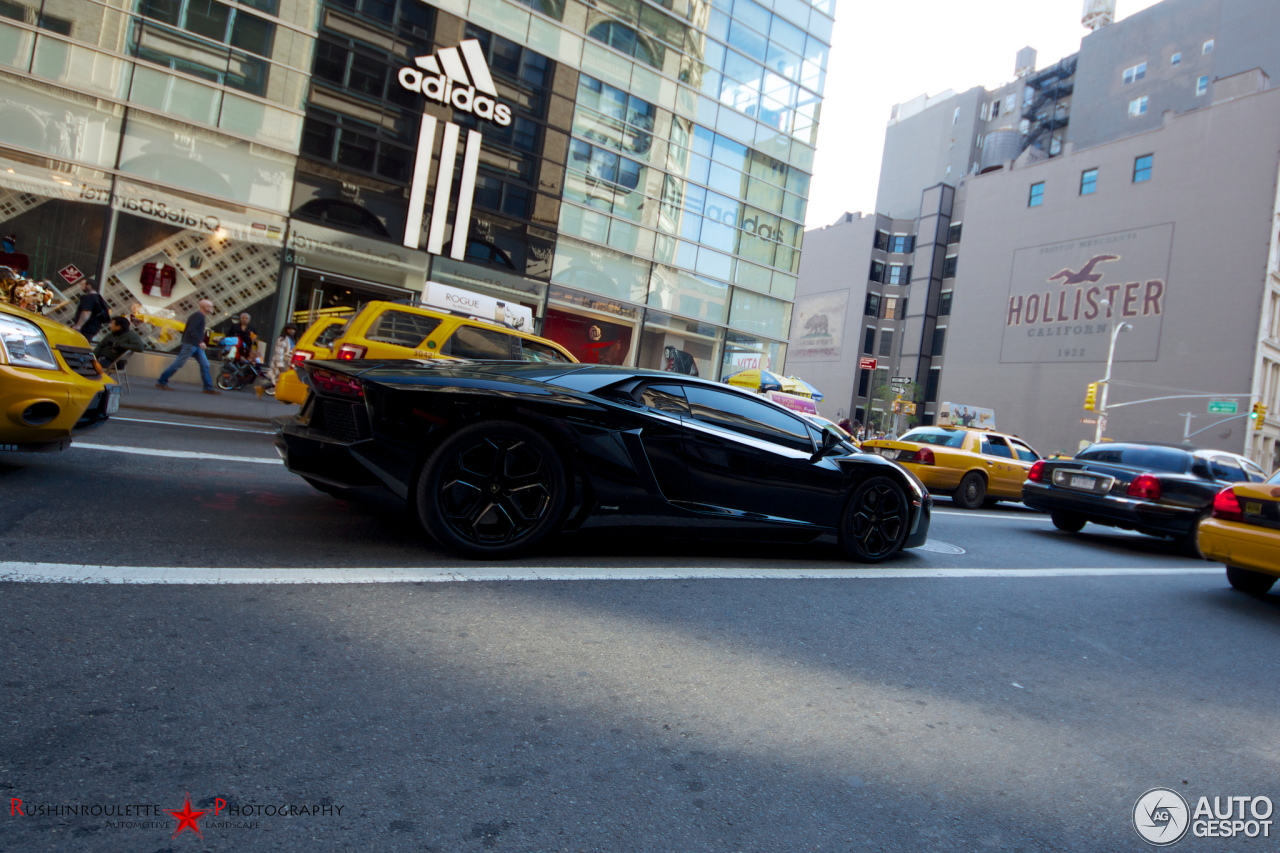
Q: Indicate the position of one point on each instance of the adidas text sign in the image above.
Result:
(457, 77)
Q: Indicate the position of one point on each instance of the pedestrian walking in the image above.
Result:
(92, 312)
(282, 352)
(192, 345)
(119, 339)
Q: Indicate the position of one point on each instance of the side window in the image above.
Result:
(1026, 454)
(1225, 468)
(994, 445)
(403, 328)
(665, 398)
(1255, 474)
(540, 352)
(330, 333)
(740, 413)
(482, 344)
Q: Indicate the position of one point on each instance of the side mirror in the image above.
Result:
(830, 444)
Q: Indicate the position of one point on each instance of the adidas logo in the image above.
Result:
(457, 77)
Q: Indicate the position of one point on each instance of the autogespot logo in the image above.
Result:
(1161, 817)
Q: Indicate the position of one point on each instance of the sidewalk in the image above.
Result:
(187, 399)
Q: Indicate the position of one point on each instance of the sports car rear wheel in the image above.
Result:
(492, 489)
(875, 521)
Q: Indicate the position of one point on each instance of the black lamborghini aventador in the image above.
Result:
(495, 457)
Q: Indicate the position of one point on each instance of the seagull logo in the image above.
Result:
(1086, 273)
(457, 77)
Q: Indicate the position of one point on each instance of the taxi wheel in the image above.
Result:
(972, 491)
(1254, 583)
(1067, 521)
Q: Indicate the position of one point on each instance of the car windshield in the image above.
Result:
(1275, 479)
(936, 436)
(1149, 458)
(330, 334)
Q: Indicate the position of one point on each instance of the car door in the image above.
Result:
(1004, 475)
(756, 460)
(661, 441)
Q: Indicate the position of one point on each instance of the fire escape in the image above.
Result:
(1047, 110)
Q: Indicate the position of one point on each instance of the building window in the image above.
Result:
(899, 274)
(895, 308)
(886, 342)
(872, 308)
(1207, 47)
(1138, 106)
(995, 109)
(902, 243)
(949, 266)
(955, 117)
(1202, 85)
(864, 379)
(944, 303)
(984, 112)
(1175, 59)
(939, 340)
(953, 234)
(869, 341)
(882, 241)
(877, 271)
(1142, 168)
(1088, 182)
(1135, 73)
(1036, 198)
(931, 386)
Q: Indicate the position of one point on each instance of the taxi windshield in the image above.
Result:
(936, 436)
(1275, 479)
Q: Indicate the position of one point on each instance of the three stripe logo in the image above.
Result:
(457, 61)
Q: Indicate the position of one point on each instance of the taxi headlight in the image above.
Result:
(24, 345)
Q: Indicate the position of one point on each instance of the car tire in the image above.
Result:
(1068, 521)
(340, 492)
(1254, 583)
(227, 382)
(972, 491)
(874, 524)
(492, 490)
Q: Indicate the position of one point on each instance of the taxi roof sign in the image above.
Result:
(964, 415)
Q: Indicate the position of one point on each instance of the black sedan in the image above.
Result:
(495, 457)
(1156, 489)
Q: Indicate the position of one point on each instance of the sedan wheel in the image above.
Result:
(971, 492)
(875, 521)
(1254, 583)
(1067, 521)
(493, 489)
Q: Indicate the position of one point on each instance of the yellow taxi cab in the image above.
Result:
(395, 330)
(974, 465)
(316, 342)
(1243, 532)
(51, 386)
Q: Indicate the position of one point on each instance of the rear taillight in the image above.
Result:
(301, 355)
(1036, 474)
(923, 456)
(350, 352)
(1226, 506)
(1146, 487)
(327, 382)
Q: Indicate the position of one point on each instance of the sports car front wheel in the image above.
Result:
(875, 521)
(493, 489)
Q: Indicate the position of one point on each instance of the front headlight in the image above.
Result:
(24, 345)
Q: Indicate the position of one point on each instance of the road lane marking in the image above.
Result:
(70, 573)
(175, 454)
(960, 513)
(193, 426)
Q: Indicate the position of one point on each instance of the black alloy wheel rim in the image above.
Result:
(495, 490)
(879, 519)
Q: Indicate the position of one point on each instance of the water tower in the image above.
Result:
(1098, 13)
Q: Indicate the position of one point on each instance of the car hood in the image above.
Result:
(56, 333)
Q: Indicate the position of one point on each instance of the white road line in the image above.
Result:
(69, 573)
(193, 426)
(1002, 516)
(175, 454)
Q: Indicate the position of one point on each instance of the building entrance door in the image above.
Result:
(318, 294)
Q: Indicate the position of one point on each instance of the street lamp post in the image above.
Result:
(1106, 380)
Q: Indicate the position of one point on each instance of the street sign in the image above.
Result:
(898, 389)
(900, 380)
(1223, 407)
(1089, 421)
(71, 274)
(865, 363)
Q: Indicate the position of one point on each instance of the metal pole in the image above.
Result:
(1106, 380)
(1186, 429)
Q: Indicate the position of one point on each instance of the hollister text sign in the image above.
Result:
(1066, 298)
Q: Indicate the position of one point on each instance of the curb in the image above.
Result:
(176, 410)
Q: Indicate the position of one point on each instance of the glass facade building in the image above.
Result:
(634, 173)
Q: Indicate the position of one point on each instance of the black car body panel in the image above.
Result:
(1095, 485)
(634, 453)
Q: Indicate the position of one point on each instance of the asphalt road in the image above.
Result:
(948, 713)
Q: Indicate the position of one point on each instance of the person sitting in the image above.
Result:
(119, 340)
(246, 338)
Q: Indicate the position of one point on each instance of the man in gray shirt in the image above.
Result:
(192, 344)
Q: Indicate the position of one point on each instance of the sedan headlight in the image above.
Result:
(24, 345)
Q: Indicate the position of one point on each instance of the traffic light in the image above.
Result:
(1258, 415)
(1090, 396)
(908, 408)
(897, 407)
